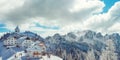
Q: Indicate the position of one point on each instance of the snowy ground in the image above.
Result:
(17, 56)
(52, 57)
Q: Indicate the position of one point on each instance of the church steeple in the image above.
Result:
(17, 29)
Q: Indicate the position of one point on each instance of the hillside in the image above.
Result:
(71, 46)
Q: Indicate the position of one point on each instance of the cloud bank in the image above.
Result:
(67, 15)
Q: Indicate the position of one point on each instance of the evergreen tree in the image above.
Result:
(109, 52)
(90, 55)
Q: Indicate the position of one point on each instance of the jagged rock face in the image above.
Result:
(57, 37)
(83, 41)
(99, 35)
(90, 34)
(71, 35)
(73, 42)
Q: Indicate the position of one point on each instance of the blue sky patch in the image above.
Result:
(2, 25)
(47, 27)
(2, 28)
(108, 4)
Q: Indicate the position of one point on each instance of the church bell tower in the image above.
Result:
(17, 30)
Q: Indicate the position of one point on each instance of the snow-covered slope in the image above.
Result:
(52, 57)
(21, 56)
(73, 45)
(81, 41)
(18, 56)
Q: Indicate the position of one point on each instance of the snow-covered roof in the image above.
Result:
(34, 47)
(20, 40)
(22, 37)
(10, 37)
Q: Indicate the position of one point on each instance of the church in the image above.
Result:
(12, 40)
(17, 30)
(33, 48)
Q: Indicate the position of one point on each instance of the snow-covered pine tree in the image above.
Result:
(64, 55)
(69, 57)
(90, 55)
(109, 52)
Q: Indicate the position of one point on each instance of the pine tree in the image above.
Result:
(64, 55)
(90, 55)
(109, 52)
(69, 57)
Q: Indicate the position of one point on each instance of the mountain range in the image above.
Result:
(74, 45)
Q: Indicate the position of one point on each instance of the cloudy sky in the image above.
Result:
(47, 17)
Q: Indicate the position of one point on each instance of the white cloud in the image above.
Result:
(7, 5)
(115, 28)
(69, 15)
(104, 22)
(54, 10)
(87, 4)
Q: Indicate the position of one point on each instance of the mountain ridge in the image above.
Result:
(73, 43)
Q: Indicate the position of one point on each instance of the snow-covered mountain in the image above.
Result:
(81, 42)
(24, 45)
(80, 45)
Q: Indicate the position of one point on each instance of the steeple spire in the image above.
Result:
(17, 29)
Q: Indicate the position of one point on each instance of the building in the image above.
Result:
(10, 41)
(36, 50)
(17, 30)
(27, 42)
(20, 41)
(24, 42)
